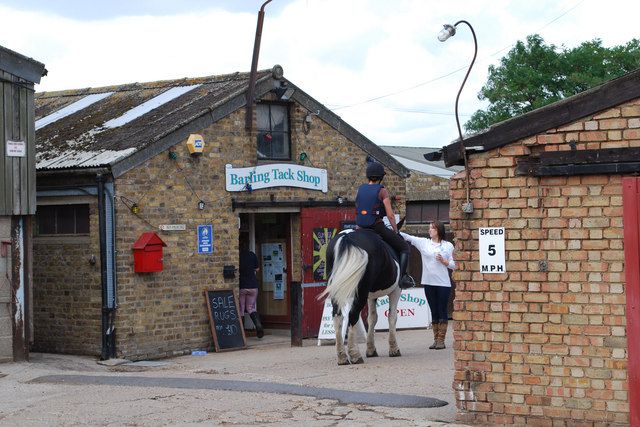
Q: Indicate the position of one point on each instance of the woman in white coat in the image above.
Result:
(437, 257)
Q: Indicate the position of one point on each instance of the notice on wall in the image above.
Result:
(413, 310)
(492, 250)
(205, 239)
(16, 149)
(273, 269)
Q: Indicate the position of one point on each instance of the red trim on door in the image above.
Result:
(631, 225)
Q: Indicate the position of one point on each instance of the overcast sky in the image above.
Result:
(376, 63)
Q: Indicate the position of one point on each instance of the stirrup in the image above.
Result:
(407, 282)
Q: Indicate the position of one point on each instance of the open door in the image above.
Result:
(272, 237)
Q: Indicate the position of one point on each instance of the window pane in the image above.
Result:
(82, 219)
(264, 146)
(443, 211)
(280, 146)
(46, 219)
(429, 211)
(65, 220)
(262, 117)
(278, 118)
(413, 212)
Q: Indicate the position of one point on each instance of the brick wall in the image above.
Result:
(163, 314)
(422, 187)
(534, 347)
(67, 295)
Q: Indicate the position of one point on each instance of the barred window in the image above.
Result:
(62, 219)
(424, 212)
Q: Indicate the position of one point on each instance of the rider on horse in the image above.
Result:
(373, 204)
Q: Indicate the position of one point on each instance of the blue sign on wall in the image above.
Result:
(205, 239)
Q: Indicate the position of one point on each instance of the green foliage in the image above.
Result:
(535, 74)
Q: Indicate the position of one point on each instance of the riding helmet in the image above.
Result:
(375, 170)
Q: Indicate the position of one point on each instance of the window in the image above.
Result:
(62, 219)
(427, 211)
(273, 132)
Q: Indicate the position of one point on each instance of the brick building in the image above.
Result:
(116, 162)
(554, 340)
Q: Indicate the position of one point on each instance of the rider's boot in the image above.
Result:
(406, 281)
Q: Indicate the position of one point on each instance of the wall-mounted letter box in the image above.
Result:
(147, 253)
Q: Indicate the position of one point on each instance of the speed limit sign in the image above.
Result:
(491, 246)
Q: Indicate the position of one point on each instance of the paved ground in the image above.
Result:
(268, 383)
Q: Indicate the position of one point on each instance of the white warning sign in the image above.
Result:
(492, 250)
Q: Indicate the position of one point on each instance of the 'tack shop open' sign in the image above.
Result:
(275, 175)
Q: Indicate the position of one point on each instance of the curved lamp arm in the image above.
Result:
(445, 33)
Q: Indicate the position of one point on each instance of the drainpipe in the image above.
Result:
(108, 342)
(248, 118)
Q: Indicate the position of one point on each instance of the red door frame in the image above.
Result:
(631, 226)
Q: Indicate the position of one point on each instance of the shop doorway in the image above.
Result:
(269, 236)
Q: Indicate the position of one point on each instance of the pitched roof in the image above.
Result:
(413, 158)
(599, 98)
(21, 66)
(121, 126)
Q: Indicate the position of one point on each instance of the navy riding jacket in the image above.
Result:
(369, 207)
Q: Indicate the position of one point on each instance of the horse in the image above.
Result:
(361, 268)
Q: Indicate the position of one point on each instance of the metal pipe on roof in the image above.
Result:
(248, 119)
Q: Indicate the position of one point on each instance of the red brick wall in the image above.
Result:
(544, 347)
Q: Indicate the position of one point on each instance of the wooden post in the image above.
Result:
(296, 314)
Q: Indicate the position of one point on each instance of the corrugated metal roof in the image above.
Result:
(83, 159)
(131, 118)
(412, 158)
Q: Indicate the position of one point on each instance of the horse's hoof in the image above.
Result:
(358, 361)
(395, 354)
(373, 354)
(342, 363)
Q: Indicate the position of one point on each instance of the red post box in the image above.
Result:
(147, 253)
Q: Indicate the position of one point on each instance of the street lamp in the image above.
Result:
(447, 32)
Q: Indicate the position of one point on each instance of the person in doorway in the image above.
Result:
(437, 257)
(372, 205)
(249, 286)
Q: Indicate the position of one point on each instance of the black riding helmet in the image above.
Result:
(375, 170)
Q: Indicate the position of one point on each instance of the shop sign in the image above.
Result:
(275, 175)
(413, 310)
(491, 245)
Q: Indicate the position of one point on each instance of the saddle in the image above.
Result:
(394, 254)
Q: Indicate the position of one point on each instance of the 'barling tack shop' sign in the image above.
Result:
(275, 175)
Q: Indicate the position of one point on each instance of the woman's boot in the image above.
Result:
(436, 330)
(255, 318)
(441, 335)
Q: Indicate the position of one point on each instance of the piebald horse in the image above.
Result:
(362, 268)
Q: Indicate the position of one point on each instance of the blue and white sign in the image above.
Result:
(275, 175)
(205, 239)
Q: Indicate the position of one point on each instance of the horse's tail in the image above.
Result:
(349, 265)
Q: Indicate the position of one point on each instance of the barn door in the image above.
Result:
(631, 225)
(317, 225)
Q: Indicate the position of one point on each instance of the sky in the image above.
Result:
(375, 63)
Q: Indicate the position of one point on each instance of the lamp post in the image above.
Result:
(445, 33)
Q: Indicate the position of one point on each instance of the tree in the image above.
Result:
(535, 74)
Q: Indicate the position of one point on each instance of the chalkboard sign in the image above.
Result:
(226, 326)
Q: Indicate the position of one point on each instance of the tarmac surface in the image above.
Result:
(268, 383)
